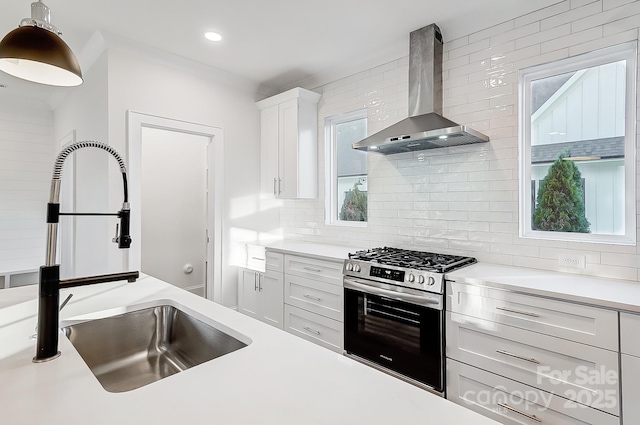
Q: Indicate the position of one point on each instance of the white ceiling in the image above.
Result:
(276, 43)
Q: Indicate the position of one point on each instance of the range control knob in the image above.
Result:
(349, 267)
(421, 279)
(412, 278)
(356, 268)
(431, 281)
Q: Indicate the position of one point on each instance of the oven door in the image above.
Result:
(392, 331)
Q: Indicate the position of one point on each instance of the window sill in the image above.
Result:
(361, 224)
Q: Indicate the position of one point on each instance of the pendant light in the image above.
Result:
(35, 52)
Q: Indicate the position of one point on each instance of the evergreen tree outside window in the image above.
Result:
(576, 144)
(345, 170)
(560, 206)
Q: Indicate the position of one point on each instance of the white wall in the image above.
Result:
(465, 199)
(26, 164)
(130, 81)
(84, 110)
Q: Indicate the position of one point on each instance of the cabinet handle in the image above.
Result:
(307, 328)
(259, 282)
(532, 417)
(258, 258)
(255, 281)
(528, 359)
(524, 313)
(312, 297)
(311, 269)
(274, 186)
(279, 186)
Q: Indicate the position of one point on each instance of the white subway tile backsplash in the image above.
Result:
(607, 41)
(518, 32)
(543, 13)
(464, 199)
(469, 48)
(492, 31)
(575, 13)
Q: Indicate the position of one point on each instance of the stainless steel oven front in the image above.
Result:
(396, 329)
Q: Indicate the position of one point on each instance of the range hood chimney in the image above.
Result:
(425, 128)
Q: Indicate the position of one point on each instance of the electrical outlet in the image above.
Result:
(573, 261)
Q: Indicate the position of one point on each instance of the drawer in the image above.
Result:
(630, 390)
(576, 322)
(325, 271)
(318, 329)
(315, 296)
(562, 367)
(512, 403)
(274, 261)
(629, 341)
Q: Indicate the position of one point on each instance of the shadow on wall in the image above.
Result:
(252, 220)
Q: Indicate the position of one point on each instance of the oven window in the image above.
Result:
(400, 336)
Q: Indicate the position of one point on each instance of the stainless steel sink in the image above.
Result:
(137, 348)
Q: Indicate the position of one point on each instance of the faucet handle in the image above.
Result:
(117, 238)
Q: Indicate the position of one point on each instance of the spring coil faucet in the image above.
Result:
(50, 283)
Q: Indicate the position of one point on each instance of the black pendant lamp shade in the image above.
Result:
(35, 52)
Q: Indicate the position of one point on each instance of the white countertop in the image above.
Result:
(277, 379)
(310, 249)
(610, 293)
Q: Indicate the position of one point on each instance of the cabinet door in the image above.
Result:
(269, 137)
(271, 289)
(630, 390)
(288, 159)
(512, 403)
(248, 301)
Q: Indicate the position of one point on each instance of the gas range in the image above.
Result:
(404, 268)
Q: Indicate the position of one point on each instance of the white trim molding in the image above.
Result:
(627, 52)
(215, 152)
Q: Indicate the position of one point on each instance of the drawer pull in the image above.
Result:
(307, 328)
(258, 258)
(311, 269)
(532, 417)
(506, 353)
(311, 297)
(524, 313)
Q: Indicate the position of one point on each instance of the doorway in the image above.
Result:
(175, 187)
(174, 207)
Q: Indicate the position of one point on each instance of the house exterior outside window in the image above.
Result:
(581, 110)
(346, 170)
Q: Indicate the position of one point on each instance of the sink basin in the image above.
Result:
(134, 349)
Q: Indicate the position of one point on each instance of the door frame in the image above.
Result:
(136, 121)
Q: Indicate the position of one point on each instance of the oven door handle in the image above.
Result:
(399, 296)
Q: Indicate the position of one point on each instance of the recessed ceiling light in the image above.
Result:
(213, 36)
(443, 137)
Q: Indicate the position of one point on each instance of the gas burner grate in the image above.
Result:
(419, 260)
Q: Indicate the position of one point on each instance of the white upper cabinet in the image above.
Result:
(288, 131)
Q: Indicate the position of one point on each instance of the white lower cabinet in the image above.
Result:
(524, 359)
(576, 371)
(630, 368)
(513, 403)
(315, 328)
(314, 300)
(260, 293)
(630, 390)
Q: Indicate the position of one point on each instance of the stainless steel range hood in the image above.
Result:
(425, 128)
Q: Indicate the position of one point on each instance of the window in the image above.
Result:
(346, 169)
(577, 148)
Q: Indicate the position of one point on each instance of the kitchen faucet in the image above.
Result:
(50, 283)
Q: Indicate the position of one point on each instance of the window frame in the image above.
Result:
(331, 169)
(629, 53)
